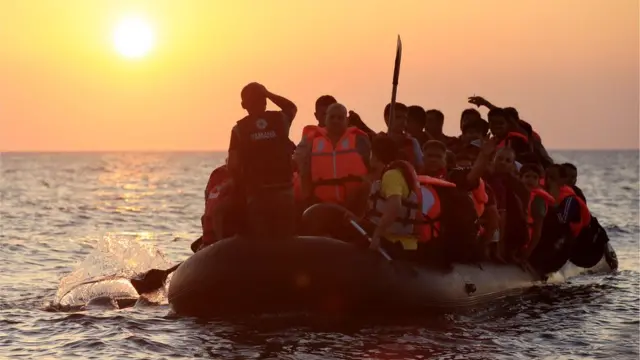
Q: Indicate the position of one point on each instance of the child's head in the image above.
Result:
(530, 174)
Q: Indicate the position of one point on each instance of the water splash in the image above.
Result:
(103, 275)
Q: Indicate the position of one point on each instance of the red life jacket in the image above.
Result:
(511, 135)
(548, 200)
(219, 187)
(585, 214)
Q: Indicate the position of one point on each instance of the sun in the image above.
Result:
(133, 37)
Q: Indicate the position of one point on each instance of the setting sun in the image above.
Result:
(133, 37)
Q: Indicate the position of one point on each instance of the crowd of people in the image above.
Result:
(491, 193)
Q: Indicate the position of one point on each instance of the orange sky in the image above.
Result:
(569, 66)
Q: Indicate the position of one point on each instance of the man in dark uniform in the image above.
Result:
(260, 163)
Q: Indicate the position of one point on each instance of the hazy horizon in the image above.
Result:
(570, 68)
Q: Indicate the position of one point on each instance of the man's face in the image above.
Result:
(321, 114)
(434, 125)
(434, 160)
(498, 126)
(414, 128)
(504, 162)
(399, 123)
(336, 119)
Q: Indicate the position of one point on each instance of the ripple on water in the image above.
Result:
(58, 209)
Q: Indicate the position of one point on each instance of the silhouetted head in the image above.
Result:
(555, 175)
(322, 104)
(498, 122)
(336, 119)
(469, 115)
(416, 120)
(254, 99)
(383, 151)
(435, 121)
(530, 175)
(474, 129)
(399, 123)
(435, 157)
(571, 172)
(512, 113)
(504, 161)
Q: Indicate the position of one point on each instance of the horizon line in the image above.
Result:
(222, 151)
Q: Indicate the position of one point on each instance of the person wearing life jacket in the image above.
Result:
(470, 186)
(261, 166)
(404, 211)
(322, 103)
(538, 206)
(572, 178)
(338, 164)
(583, 240)
(221, 214)
(505, 136)
(482, 195)
(408, 146)
(535, 140)
(512, 198)
(573, 211)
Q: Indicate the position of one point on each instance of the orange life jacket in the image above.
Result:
(511, 135)
(335, 172)
(480, 197)
(309, 131)
(548, 200)
(219, 187)
(585, 215)
(430, 227)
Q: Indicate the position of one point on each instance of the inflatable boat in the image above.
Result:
(324, 275)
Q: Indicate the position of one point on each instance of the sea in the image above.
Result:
(75, 215)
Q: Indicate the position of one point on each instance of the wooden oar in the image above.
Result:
(396, 76)
(154, 279)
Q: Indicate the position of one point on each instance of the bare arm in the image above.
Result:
(482, 161)
(287, 106)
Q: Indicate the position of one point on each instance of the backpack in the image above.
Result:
(590, 246)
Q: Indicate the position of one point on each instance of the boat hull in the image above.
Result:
(330, 276)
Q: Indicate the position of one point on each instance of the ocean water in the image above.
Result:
(80, 215)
